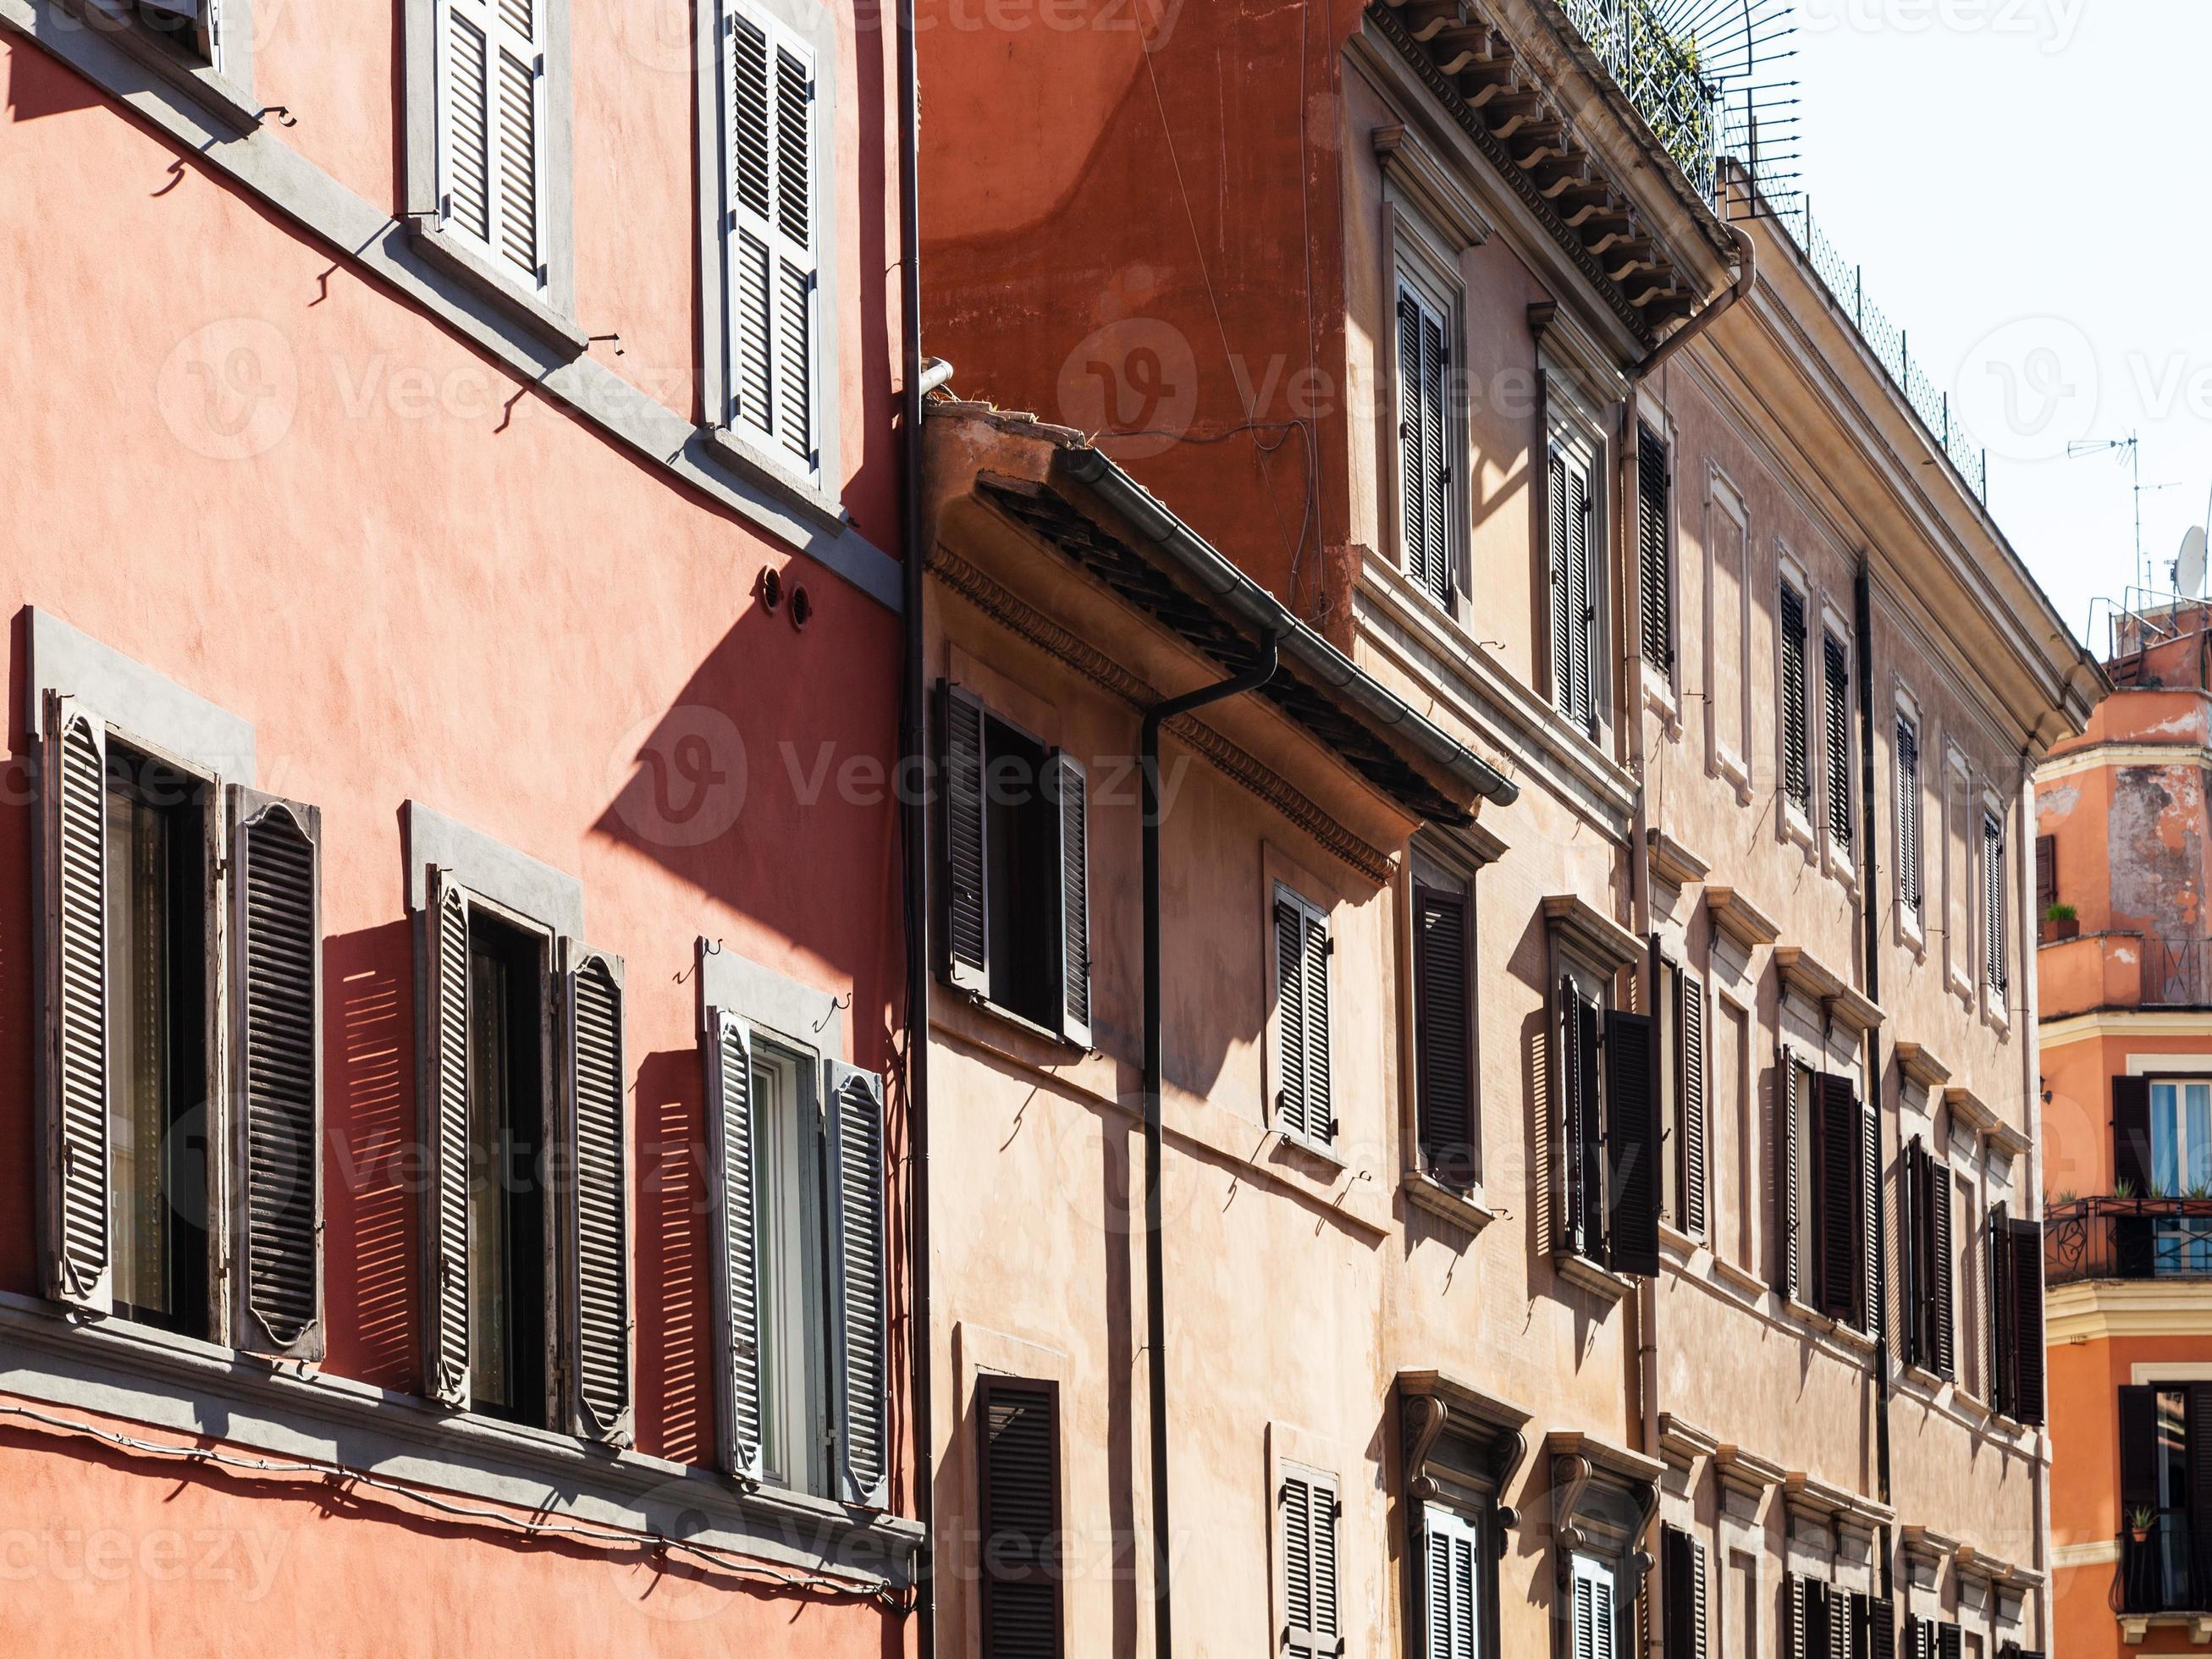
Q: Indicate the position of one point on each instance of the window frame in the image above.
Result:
(1428, 871)
(1419, 267)
(221, 83)
(1838, 857)
(1909, 843)
(1661, 681)
(1310, 910)
(1793, 819)
(808, 1415)
(1992, 883)
(1475, 1520)
(1576, 434)
(1726, 506)
(1052, 1571)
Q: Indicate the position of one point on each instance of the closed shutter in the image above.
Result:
(1423, 460)
(1789, 1081)
(1881, 1630)
(2134, 1237)
(491, 127)
(1593, 1612)
(1836, 668)
(1451, 1575)
(1582, 596)
(1071, 791)
(1443, 1073)
(1949, 1642)
(857, 1280)
(1556, 534)
(2027, 1321)
(772, 240)
(2139, 1447)
(1797, 1639)
(1941, 1269)
(73, 1047)
(1797, 772)
(1871, 1313)
(276, 945)
(964, 921)
(1837, 1173)
(1308, 1509)
(1290, 1018)
(1913, 1285)
(1582, 1149)
(1910, 880)
(1690, 1078)
(1321, 1101)
(1020, 1486)
(597, 1211)
(1682, 1564)
(1656, 570)
(445, 1110)
(1632, 1143)
(2196, 1435)
(2046, 873)
(1996, 1255)
(1993, 904)
(729, 1065)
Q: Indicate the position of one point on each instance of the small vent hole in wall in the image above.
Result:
(771, 590)
(802, 605)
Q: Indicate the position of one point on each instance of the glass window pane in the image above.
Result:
(2165, 1138)
(138, 1045)
(2197, 1162)
(488, 1241)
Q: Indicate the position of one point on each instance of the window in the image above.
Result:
(1924, 1232)
(2166, 1497)
(1610, 1180)
(769, 384)
(2016, 1281)
(2162, 1149)
(189, 27)
(1455, 1577)
(1594, 1620)
(1655, 556)
(1835, 686)
(1013, 922)
(1307, 1513)
(1796, 759)
(1828, 1619)
(1444, 1022)
(1303, 1103)
(1683, 1608)
(1681, 1004)
(1993, 905)
(792, 1269)
(204, 45)
(1728, 589)
(1827, 1163)
(1912, 850)
(1928, 1639)
(1577, 540)
(1427, 441)
(1019, 1486)
(2046, 874)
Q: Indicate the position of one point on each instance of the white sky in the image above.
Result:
(2026, 183)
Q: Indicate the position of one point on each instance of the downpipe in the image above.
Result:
(1156, 1316)
(1869, 915)
(1746, 273)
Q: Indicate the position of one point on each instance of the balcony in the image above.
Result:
(1659, 73)
(2128, 1238)
(2155, 1574)
(2177, 973)
(2123, 970)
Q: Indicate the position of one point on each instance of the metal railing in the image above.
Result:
(2088, 1239)
(2155, 1573)
(2177, 973)
(1659, 75)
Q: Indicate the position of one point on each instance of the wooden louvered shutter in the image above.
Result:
(1993, 903)
(1797, 1640)
(445, 1113)
(1582, 596)
(1451, 1575)
(1631, 1139)
(1423, 465)
(1581, 1146)
(1442, 1074)
(857, 1283)
(1789, 1081)
(1690, 1079)
(1071, 793)
(963, 919)
(2026, 1241)
(1593, 1611)
(1912, 1288)
(772, 238)
(1682, 1564)
(2139, 1447)
(1871, 1312)
(1308, 1509)
(1321, 1100)
(491, 130)
(1881, 1629)
(276, 945)
(73, 1043)
(1019, 1484)
(1835, 666)
(729, 1063)
(1907, 784)
(2046, 873)
(1655, 568)
(1796, 768)
(1997, 1269)
(1942, 1270)
(1949, 1641)
(1290, 1018)
(1837, 1176)
(597, 1211)
(1556, 513)
(2134, 1237)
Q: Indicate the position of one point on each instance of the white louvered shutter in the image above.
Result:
(73, 854)
(1320, 1104)
(597, 1210)
(963, 911)
(1290, 1018)
(1423, 460)
(729, 1058)
(771, 234)
(1556, 536)
(491, 131)
(1593, 1612)
(1071, 791)
(276, 945)
(445, 1112)
(1451, 1571)
(1308, 1509)
(1582, 596)
(858, 1285)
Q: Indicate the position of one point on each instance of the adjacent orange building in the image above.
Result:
(2125, 858)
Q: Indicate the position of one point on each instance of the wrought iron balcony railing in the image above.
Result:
(2155, 1573)
(1659, 73)
(2177, 972)
(2127, 1238)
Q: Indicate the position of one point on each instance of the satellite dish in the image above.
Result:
(2189, 567)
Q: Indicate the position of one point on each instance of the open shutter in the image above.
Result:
(1019, 1487)
(276, 944)
(1581, 1148)
(597, 1211)
(1557, 511)
(1451, 1571)
(1581, 595)
(491, 129)
(2027, 1322)
(1683, 1567)
(1797, 772)
(1690, 1079)
(1424, 475)
(73, 1045)
(1881, 1629)
(1307, 1507)
(964, 922)
(1071, 790)
(1836, 675)
(1789, 1081)
(1321, 1101)
(1872, 1314)
(1632, 1143)
(1997, 1259)
(1654, 570)
(2134, 1237)
(1290, 1019)
(1913, 1343)
(1442, 1074)
(1593, 1630)
(1949, 1642)
(1797, 1641)
(729, 1060)
(858, 1285)
(1837, 1174)
(1907, 784)
(445, 1113)
(1942, 1269)
(2139, 1447)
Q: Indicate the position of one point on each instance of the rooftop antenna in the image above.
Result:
(2131, 446)
(2189, 565)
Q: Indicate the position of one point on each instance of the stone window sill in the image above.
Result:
(1461, 1209)
(462, 263)
(1588, 1275)
(732, 452)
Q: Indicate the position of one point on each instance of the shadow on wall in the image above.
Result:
(675, 1324)
(38, 86)
(373, 1203)
(18, 1031)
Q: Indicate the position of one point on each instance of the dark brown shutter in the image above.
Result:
(1837, 685)
(1019, 1427)
(1910, 880)
(275, 946)
(1690, 1078)
(1581, 598)
(728, 1054)
(2138, 1448)
(1799, 1640)
(596, 1210)
(1998, 1257)
(2196, 1430)
(2026, 1243)
(1787, 1081)
(1836, 1173)
(1870, 1208)
(1632, 1143)
(1443, 1073)
(73, 1049)
(1582, 1145)
(857, 1281)
(1796, 766)
(445, 1113)
(1913, 1335)
(2133, 1237)
(1682, 1567)
(1071, 790)
(1556, 511)
(1942, 1267)
(1881, 1629)
(2046, 873)
(1655, 568)
(963, 949)
(1321, 1097)
(1290, 1019)
(1413, 406)
(1948, 1641)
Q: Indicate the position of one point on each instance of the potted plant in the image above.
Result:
(2062, 921)
(2139, 1520)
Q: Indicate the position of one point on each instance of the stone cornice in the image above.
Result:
(1735, 915)
(1814, 980)
(1608, 944)
(1919, 1064)
(1671, 861)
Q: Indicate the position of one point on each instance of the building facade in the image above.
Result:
(2127, 1030)
(447, 890)
(1690, 1148)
